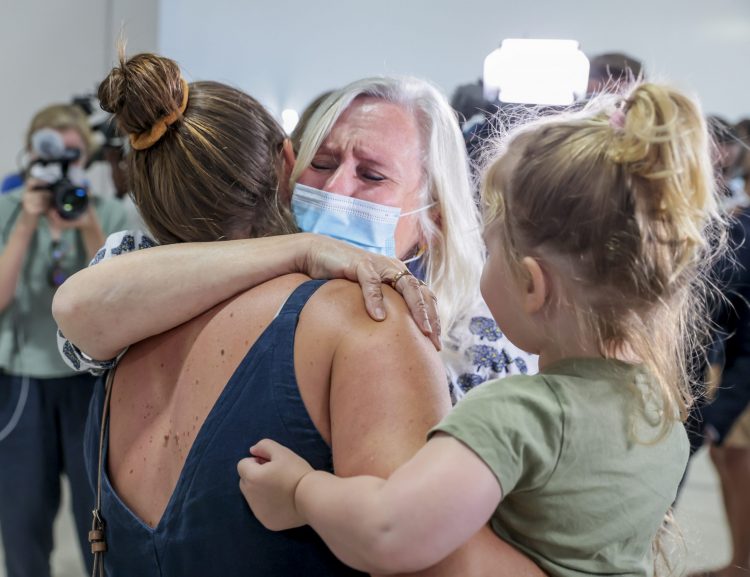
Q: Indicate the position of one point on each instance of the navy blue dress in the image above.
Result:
(207, 528)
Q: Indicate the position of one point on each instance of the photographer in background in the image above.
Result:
(50, 227)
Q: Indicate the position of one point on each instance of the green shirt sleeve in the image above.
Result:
(515, 425)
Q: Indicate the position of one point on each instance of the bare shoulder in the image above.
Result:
(278, 288)
(339, 304)
(270, 294)
(239, 320)
(387, 383)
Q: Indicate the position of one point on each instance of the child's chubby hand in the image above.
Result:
(268, 481)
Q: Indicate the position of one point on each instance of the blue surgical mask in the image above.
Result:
(366, 225)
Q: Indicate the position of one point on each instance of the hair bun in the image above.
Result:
(140, 91)
(112, 91)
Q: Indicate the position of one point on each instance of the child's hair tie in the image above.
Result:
(147, 139)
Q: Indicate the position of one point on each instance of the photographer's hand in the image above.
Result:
(88, 225)
(36, 199)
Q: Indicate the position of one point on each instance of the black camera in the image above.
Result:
(70, 200)
(53, 161)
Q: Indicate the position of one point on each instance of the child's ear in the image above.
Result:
(537, 285)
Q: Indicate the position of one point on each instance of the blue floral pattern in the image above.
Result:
(475, 350)
(98, 256)
(127, 244)
(485, 328)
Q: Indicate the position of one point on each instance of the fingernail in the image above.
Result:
(379, 313)
(426, 326)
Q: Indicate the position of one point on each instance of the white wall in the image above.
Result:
(285, 52)
(51, 50)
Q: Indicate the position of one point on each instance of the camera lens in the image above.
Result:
(71, 201)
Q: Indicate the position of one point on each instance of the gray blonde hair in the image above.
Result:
(455, 251)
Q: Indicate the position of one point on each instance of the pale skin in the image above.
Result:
(373, 153)
(413, 518)
(339, 354)
(35, 205)
(326, 257)
(95, 299)
(369, 429)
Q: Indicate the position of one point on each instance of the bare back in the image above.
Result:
(166, 386)
(371, 389)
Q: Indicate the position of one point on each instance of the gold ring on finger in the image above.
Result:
(397, 277)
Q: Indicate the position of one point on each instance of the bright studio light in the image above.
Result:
(552, 72)
(289, 119)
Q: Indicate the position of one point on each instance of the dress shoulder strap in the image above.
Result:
(299, 297)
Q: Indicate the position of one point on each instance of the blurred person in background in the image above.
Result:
(742, 130)
(43, 403)
(725, 421)
(728, 163)
(613, 71)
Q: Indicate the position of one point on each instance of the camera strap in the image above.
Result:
(56, 273)
(97, 537)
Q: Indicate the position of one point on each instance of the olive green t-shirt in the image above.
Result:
(28, 343)
(585, 487)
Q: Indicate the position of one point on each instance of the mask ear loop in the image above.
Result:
(416, 210)
(422, 248)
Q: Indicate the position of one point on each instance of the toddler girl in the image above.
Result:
(597, 227)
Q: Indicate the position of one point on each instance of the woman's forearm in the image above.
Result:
(13, 255)
(123, 300)
(120, 301)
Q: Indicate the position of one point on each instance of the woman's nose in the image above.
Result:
(343, 181)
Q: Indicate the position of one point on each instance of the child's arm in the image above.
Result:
(429, 506)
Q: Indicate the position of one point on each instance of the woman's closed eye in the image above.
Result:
(323, 165)
(372, 176)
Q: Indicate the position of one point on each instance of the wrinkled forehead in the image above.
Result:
(387, 129)
(373, 114)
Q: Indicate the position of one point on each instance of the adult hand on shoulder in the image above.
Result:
(329, 258)
(268, 480)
